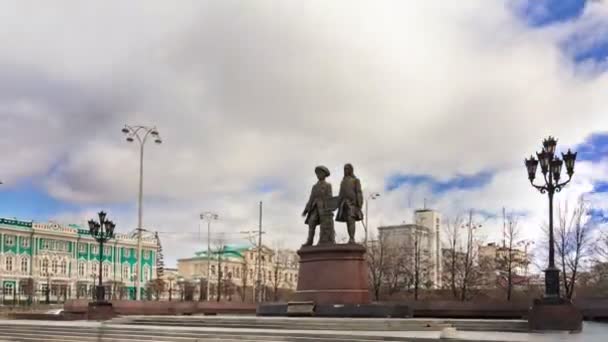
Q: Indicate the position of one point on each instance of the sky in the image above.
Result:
(434, 102)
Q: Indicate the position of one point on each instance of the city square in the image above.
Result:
(290, 171)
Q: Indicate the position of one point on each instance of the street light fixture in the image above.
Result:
(141, 133)
(208, 216)
(372, 196)
(551, 168)
(102, 232)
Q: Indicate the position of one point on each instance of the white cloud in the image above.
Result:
(261, 92)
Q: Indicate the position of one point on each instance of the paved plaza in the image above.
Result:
(27, 330)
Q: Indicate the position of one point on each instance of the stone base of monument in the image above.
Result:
(333, 274)
(100, 311)
(303, 309)
(333, 282)
(554, 314)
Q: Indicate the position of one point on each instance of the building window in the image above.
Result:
(125, 272)
(9, 263)
(212, 269)
(63, 269)
(45, 244)
(9, 240)
(106, 270)
(94, 268)
(126, 252)
(8, 289)
(24, 265)
(82, 247)
(107, 251)
(286, 275)
(45, 266)
(146, 273)
(25, 242)
(81, 269)
(291, 277)
(93, 249)
(54, 266)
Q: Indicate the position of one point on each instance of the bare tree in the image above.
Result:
(377, 261)
(279, 265)
(573, 242)
(419, 259)
(219, 249)
(506, 257)
(244, 278)
(451, 259)
(156, 287)
(397, 272)
(470, 273)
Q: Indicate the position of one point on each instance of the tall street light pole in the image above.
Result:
(208, 216)
(551, 169)
(141, 134)
(371, 196)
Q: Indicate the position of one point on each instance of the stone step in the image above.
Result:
(346, 324)
(331, 324)
(110, 333)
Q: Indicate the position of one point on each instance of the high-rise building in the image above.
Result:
(431, 219)
(426, 230)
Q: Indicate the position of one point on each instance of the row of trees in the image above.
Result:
(470, 267)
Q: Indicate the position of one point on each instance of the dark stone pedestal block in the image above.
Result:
(100, 311)
(299, 309)
(554, 314)
(333, 274)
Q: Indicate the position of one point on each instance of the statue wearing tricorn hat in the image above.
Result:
(319, 211)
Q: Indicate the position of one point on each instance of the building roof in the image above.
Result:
(229, 251)
(73, 230)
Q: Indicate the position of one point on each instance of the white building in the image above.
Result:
(427, 228)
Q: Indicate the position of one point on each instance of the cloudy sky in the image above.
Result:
(428, 99)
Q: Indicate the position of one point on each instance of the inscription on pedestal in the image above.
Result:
(300, 308)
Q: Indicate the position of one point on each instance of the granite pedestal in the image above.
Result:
(554, 314)
(333, 282)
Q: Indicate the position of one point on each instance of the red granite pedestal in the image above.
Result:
(333, 274)
(332, 282)
(554, 314)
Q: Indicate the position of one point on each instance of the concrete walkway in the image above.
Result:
(592, 332)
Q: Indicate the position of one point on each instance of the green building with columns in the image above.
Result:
(37, 256)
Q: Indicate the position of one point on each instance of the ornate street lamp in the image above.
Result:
(551, 168)
(102, 232)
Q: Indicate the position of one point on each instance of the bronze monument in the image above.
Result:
(350, 201)
(319, 211)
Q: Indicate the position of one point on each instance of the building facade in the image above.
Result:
(493, 259)
(235, 265)
(426, 231)
(59, 262)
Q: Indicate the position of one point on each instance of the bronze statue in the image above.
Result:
(350, 201)
(318, 210)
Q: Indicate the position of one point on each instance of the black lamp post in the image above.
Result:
(551, 168)
(101, 231)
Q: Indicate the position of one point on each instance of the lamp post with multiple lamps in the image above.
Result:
(102, 232)
(551, 169)
(141, 134)
(552, 312)
(208, 216)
